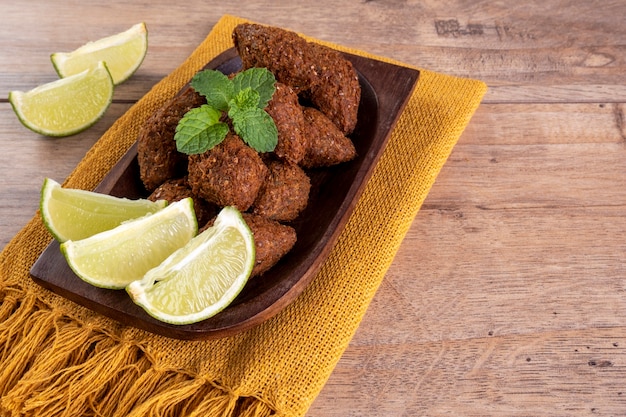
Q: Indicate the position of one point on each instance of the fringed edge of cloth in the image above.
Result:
(52, 365)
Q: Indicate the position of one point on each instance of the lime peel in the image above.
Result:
(202, 278)
(74, 214)
(123, 53)
(67, 106)
(116, 257)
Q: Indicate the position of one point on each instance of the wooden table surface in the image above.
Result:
(507, 297)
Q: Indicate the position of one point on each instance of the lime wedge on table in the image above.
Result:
(201, 279)
(123, 53)
(73, 214)
(66, 106)
(116, 257)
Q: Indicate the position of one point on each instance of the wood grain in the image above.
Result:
(507, 297)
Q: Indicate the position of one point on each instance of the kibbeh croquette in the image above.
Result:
(158, 158)
(230, 174)
(280, 51)
(286, 112)
(327, 144)
(337, 93)
(284, 193)
(272, 241)
(270, 189)
(178, 189)
(317, 71)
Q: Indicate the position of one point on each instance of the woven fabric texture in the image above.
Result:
(58, 358)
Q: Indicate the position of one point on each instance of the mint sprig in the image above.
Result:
(258, 79)
(216, 87)
(258, 127)
(242, 98)
(199, 130)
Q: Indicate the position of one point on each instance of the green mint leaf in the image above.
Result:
(256, 128)
(259, 79)
(199, 130)
(243, 100)
(215, 86)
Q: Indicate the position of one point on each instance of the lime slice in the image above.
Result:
(66, 106)
(72, 214)
(204, 277)
(116, 257)
(123, 54)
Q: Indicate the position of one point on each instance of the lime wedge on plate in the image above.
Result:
(123, 53)
(201, 279)
(116, 257)
(66, 106)
(72, 214)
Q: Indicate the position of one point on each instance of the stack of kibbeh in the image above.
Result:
(314, 108)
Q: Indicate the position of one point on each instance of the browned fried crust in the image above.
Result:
(321, 73)
(272, 241)
(327, 144)
(285, 192)
(337, 92)
(158, 158)
(280, 51)
(171, 191)
(178, 189)
(230, 174)
(286, 112)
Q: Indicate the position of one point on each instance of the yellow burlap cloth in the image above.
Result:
(60, 359)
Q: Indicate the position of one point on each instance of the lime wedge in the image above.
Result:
(201, 279)
(72, 214)
(123, 53)
(116, 257)
(66, 106)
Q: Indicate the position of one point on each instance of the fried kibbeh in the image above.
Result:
(158, 158)
(178, 189)
(327, 144)
(316, 71)
(230, 174)
(337, 93)
(280, 51)
(272, 240)
(285, 110)
(171, 191)
(285, 192)
(314, 106)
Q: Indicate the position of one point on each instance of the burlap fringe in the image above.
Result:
(51, 365)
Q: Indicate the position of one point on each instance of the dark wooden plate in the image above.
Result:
(386, 89)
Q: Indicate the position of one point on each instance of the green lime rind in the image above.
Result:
(123, 52)
(74, 214)
(114, 258)
(66, 106)
(201, 279)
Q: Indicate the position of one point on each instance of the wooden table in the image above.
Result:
(508, 296)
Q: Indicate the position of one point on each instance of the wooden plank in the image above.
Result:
(524, 59)
(515, 177)
(547, 124)
(554, 373)
(514, 309)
